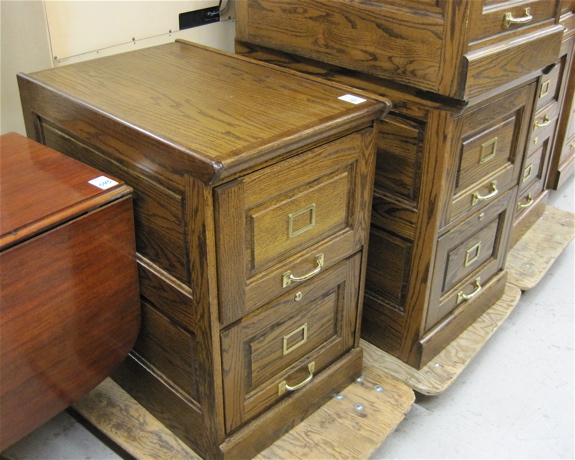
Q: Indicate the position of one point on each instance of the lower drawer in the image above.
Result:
(276, 350)
(468, 255)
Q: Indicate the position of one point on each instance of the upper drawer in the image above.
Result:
(502, 16)
(279, 214)
(268, 354)
(488, 151)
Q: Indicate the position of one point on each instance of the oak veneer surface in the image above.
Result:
(195, 99)
(69, 299)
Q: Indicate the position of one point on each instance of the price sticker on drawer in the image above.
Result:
(351, 98)
(103, 182)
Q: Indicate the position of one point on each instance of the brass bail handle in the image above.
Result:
(288, 277)
(546, 121)
(508, 18)
(477, 197)
(528, 203)
(461, 296)
(283, 386)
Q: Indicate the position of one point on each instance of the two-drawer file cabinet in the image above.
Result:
(252, 195)
(464, 78)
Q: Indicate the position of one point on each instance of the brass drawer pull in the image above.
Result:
(529, 202)
(508, 18)
(546, 121)
(461, 296)
(477, 197)
(288, 277)
(283, 386)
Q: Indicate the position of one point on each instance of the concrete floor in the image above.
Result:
(514, 401)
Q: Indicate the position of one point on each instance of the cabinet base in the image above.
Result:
(336, 430)
(436, 376)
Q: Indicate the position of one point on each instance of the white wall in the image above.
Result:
(36, 35)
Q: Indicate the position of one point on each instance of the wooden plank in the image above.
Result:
(535, 252)
(441, 372)
(337, 430)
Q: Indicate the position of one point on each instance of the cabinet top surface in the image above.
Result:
(40, 188)
(212, 106)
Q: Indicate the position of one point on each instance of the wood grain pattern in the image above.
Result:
(458, 49)
(533, 255)
(436, 377)
(207, 131)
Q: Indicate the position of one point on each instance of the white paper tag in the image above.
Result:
(103, 182)
(351, 98)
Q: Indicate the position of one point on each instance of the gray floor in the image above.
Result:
(514, 401)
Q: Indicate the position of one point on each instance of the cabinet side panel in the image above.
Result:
(387, 41)
(157, 211)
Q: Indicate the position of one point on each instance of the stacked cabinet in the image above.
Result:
(563, 158)
(252, 195)
(458, 171)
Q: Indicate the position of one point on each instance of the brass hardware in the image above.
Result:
(298, 296)
(474, 252)
(283, 386)
(546, 122)
(535, 140)
(492, 146)
(303, 330)
(477, 197)
(461, 296)
(545, 86)
(529, 202)
(572, 146)
(508, 18)
(527, 172)
(481, 216)
(288, 277)
(311, 209)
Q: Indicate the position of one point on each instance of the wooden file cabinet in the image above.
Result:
(69, 301)
(253, 189)
(452, 182)
(562, 163)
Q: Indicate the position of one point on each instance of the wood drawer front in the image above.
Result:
(549, 86)
(491, 67)
(528, 197)
(284, 218)
(534, 167)
(477, 245)
(543, 126)
(501, 17)
(489, 151)
(315, 324)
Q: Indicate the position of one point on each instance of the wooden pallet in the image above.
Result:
(351, 426)
(527, 263)
(441, 372)
(533, 255)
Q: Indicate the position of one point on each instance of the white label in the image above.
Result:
(351, 98)
(103, 182)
